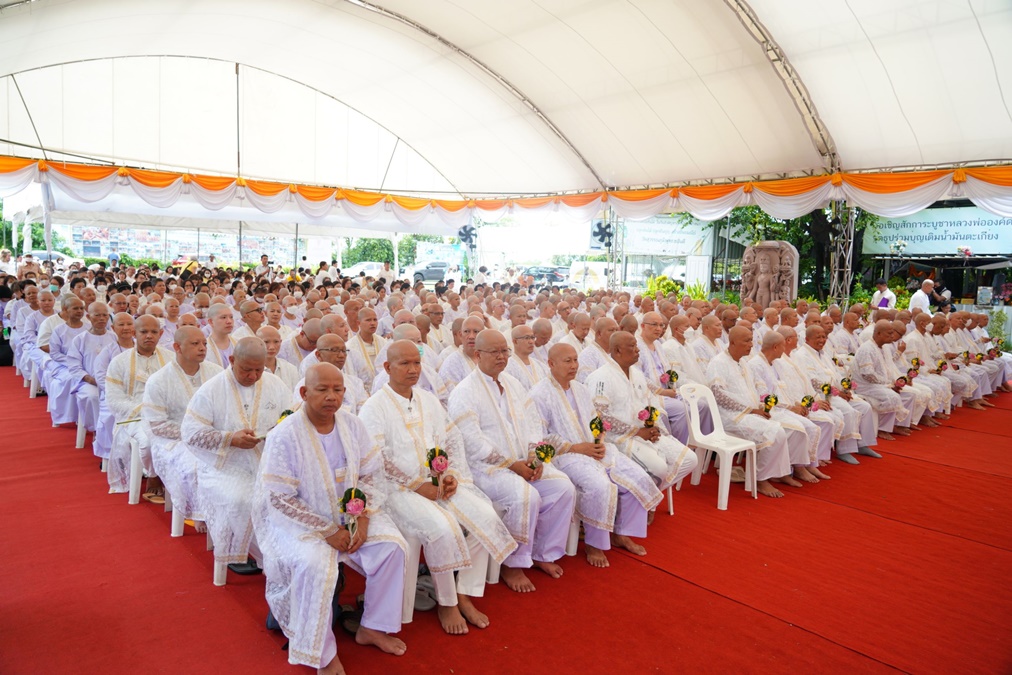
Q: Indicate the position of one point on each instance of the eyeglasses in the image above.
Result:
(254, 311)
(655, 325)
(496, 352)
(524, 337)
(336, 350)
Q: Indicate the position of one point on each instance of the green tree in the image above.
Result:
(408, 246)
(367, 250)
(38, 237)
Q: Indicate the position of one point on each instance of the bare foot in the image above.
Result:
(786, 480)
(902, 431)
(974, 405)
(942, 416)
(803, 473)
(200, 526)
(470, 612)
(650, 516)
(818, 474)
(452, 620)
(928, 422)
(825, 462)
(765, 488)
(986, 403)
(596, 557)
(622, 541)
(549, 568)
(386, 643)
(516, 580)
(885, 436)
(332, 668)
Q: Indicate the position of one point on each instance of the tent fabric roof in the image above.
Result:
(466, 98)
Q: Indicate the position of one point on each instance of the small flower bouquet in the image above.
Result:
(942, 365)
(669, 378)
(807, 402)
(543, 454)
(353, 505)
(848, 384)
(965, 356)
(915, 363)
(827, 390)
(648, 416)
(992, 353)
(597, 428)
(979, 358)
(911, 373)
(901, 382)
(770, 402)
(437, 462)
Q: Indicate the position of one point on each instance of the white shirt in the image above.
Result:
(920, 299)
(890, 297)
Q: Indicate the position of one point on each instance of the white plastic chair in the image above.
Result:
(34, 391)
(178, 517)
(82, 431)
(717, 443)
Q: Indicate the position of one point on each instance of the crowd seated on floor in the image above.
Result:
(310, 423)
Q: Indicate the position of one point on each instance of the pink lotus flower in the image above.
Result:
(440, 464)
(815, 406)
(607, 425)
(835, 391)
(665, 378)
(900, 382)
(643, 415)
(355, 507)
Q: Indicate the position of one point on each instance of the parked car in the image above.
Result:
(59, 259)
(370, 269)
(430, 271)
(546, 274)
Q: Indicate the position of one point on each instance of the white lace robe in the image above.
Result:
(873, 372)
(595, 480)
(428, 379)
(405, 433)
(768, 382)
(591, 358)
(296, 505)
(363, 358)
(166, 396)
(219, 409)
(455, 367)
(527, 375)
(124, 394)
(620, 399)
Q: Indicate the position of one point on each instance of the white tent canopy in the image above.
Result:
(486, 97)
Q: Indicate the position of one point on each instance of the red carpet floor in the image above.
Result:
(898, 564)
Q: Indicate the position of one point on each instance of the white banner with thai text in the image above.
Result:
(940, 232)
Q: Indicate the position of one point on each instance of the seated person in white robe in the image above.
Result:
(428, 380)
(654, 364)
(331, 349)
(224, 427)
(501, 428)
(124, 394)
(579, 331)
(311, 461)
(84, 351)
(621, 393)
(253, 318)
(908, 350)
(123, 331)
(406, 422)
(61, 380)
(964, 386)
(302, 344)
(708, 345)
(876, 378)
(220, 342)
(742, 413)
(614, 493)
(364, 347)
(596, 353)
(166, 396)
(527, 370)
(459, 363)
(280, 368)
(803, 435)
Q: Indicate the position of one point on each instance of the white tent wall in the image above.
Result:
(531, 96)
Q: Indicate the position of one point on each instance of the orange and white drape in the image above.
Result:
(884, 194)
